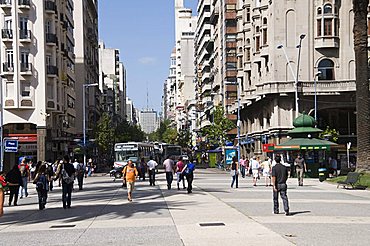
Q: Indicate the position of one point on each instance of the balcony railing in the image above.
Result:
(50, 6)
(8, 67)
(25, 67)
(24, 2)
(51, 38)
(24, 34)
(51, 70)
(7, 33)
(7, 3)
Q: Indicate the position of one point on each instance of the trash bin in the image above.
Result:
(322, 174)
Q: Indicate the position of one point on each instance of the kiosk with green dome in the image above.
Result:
(304, 139)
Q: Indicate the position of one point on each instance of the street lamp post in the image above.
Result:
(315, 82)
(84, 115)
(295, 76)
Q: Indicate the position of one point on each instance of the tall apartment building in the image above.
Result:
(87, 64)
(148, 120)
(185, 25)
(203, 51)
(169, 91)
(38, 70)
(112, 81)
(130, 112)
(323, 28)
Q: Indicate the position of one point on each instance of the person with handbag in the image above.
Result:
(234, 172)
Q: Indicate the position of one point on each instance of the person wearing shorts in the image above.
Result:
(130, 173)
(255, 165)
(266, 171)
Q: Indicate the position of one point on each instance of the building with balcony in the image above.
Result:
(170, 91)
(112, 82)
(266, 77)
(185, 25)
(87, 65)
(38, 76)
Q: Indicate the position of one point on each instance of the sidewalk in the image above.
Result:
(201, 207)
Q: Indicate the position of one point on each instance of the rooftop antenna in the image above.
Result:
(147, 97)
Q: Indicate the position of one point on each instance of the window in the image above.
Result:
(50, 91)
(9, 90)
(230, 7)
(319, 11)
(258, 46)
(328, 27)
(230, 65)
(248, 54)
(328, 9)
(24, 60)
(264, 36)
(26, 89)
(326, 67)
(319, 27)
(9, 58)
(248, 14)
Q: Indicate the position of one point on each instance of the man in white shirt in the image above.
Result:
(151, 170)
(168, 165)
(255, 165)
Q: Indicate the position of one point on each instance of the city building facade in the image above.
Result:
(87, 66)
(112, 82)
(185, 25)
(170, 92)
(38, 77)
(280, 43)
(148, 121)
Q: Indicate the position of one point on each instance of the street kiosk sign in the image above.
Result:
(11, 145)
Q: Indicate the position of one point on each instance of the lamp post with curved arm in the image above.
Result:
(84, 115)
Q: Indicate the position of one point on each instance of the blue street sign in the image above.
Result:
(11, 145)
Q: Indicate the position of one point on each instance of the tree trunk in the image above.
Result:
(362, 83)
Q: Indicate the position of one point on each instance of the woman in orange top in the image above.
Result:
(130, 174)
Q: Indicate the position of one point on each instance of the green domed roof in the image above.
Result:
(304, 120)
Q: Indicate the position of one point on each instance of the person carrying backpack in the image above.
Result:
(25, 173)
(80, 174)
(66, 173)
(130, 174)
(42, 185)
(188, 171)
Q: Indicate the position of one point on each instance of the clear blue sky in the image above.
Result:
(143, 31)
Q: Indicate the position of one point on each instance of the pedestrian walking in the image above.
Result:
(255, 166)
(180, 177)
(142, 169)
(89, 168)
(130, 173)
(151, 170)
(14, 178)
(234, 172)
(188, 171)
(279, 178)
(50, 172)
(242, 164)
(42, 182)
(266, 171)
(168, 165)
(3, 185)
(25, 173)
(80, 173)
(300, 166)
(66, 173)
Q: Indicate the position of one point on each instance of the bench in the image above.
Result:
(352, 179)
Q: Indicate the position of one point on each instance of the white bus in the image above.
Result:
(131, 151)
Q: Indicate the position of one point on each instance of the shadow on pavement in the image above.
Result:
(299, 212)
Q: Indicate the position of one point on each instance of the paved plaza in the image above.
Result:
(214, 214)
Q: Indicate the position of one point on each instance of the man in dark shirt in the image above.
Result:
(279, 178)
(67, 172)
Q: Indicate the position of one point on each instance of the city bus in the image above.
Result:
(171, 150)
(131, 151)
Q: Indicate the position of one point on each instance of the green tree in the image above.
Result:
(170, 136)
(126, 132)
(216, 133)
(183, 138)
(360, 35)
(105, 134)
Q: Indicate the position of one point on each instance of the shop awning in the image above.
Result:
(305, 144)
